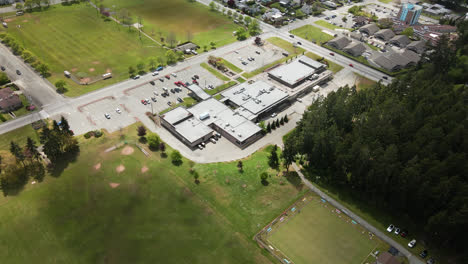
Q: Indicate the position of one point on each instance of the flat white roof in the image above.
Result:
(176, 115)
(198, 91)
(297, 70)
(192, 129)
(255, 98)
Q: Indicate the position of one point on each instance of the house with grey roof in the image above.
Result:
(369, 29)
(355, 48)
(384, 34)
(417, 46)
(399, 60)
(386, 63)
(413, 57)
(400, 41)
(339, 42)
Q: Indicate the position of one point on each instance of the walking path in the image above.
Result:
(412, 258)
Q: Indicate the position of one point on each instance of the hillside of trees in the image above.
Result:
(400, 148)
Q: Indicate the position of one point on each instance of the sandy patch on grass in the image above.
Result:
(97, 166)
(120, 168)
(114, 185)
(25, 21)
(91, 69)
(108, 70)
(9, 20)
(127, 150)
(96, 62)
(85, 80)
(144, 169)
(74, 69)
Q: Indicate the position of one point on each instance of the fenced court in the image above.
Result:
(313, 231)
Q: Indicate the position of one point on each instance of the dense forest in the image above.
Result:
(401, 148)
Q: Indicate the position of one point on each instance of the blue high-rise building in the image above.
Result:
(409, 13)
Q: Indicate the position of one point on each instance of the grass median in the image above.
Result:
(214, 72)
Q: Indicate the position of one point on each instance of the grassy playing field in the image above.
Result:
(181, 17)
(312, 33)
(320, 235)
(93, 214)
(76, 39)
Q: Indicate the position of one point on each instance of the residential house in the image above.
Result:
(355, 49)
(384, 34)
(369, 29)
(9, 101)
(330, 4)
(386, 63)
(361, 20)
(417, 46)
(387, 258)
(339, 42)
(400, 41)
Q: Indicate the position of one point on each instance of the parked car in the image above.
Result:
(213, 140)
(161, 79)
(174, 74)
(155, 93)
(196, 76)
(351, 65)
(244, 63)
(218, 135)
(273, 115)
(143, 101)
(292, 36)
(333, 16)
(199, 146)
(431, 261)
(160, 68)
(179, 99)
(2, 67)
(107, 115)
(195, 81)
(18, 72)
(300, 43)
(203, 144)
(397, 231)
(118, 111)
(331, 53)
(412, 243)
(258, 52)
(168, 77)
(154, 99)
(404, 233)
(169, 103)
(390, 228)
(385, 77)
(172, 91)
(155, 73)
(423, 254)
(152, 82)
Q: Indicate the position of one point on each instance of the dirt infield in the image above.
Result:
(120, 168)
(97, 166)
(114, 185)
(144, 169)
(127, 150)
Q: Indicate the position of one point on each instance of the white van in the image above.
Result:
(316, 88)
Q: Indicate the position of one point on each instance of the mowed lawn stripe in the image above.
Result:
(318, 235)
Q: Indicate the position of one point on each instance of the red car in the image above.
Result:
(183, 84)
(351, 65)
(143, 102)
(177, 84)
(195, 81)
(168, 77)
(331, 53)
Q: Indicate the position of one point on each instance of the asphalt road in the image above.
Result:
(412, 258)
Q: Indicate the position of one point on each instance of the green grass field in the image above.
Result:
(157, 216)
(74, 38)
(312, 33)
(331, 65)
(180, 17)
(319, 235)
(328, 25)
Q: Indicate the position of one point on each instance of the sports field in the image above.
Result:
(319, 234)
(124, 207)
(187, 20)
(76, 39)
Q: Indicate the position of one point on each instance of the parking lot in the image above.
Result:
(268, 54)
(119, 117)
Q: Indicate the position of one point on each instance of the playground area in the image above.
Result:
(313, 231)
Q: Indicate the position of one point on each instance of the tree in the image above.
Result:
(171, 57)
(408, 32)
(31, 149)
(65, 127)
(344, 19)
(162, 147)
(286, 119)
(19, 6)
(273, 125)
(212, 6)
(229, 13)
(277, 123)
(16, 151)
(141, 68)
(43, 70)
(241, 34)
(196, 175)
(273, 160)
(282, 121)
(176, 157)
(141, 131)
(60, 85)
(264, 178)
(240, 166)
(153, 141)
(3, 78)
(247, 20)
(131, 71)
(212, 44)
(152, 63)
(231, 3)
(254, 28)
(268, 127)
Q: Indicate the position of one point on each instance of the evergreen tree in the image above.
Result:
(17, 152)
(268, 128)
(286, 119)
(273, 160)
(64, 125)
(277, 123)
(31, 149)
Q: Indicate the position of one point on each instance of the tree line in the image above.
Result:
(59, 147)
(400, 148)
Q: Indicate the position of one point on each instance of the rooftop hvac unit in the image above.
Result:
(272, 88)
(233, 130)
(227, 124)
(240, 135)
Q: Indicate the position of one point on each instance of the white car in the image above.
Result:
(390, 228)
(397, 231)
(155, 73)
(412, 243)
(273, 115)
(155, 93)
(173, 74)
(200, 146)
(118, 111)
(107, 115)
(136, 77)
